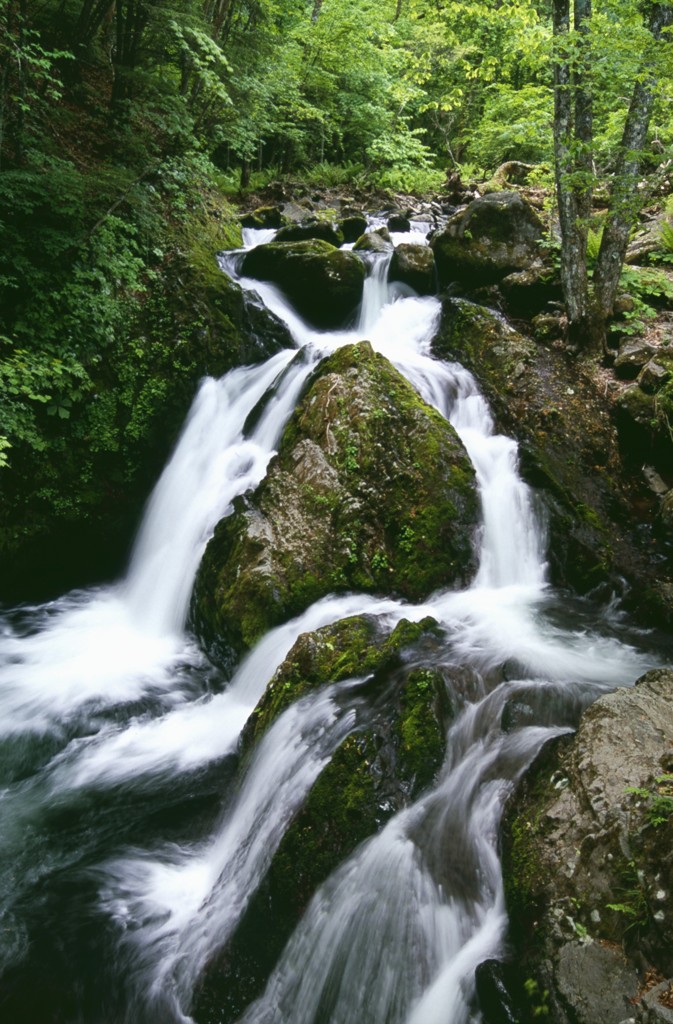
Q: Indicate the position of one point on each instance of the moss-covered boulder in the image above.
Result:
(371, 490)
(414, 265)
(312, 228)
(589, 856)
(392, 755)
(323, 283)
(571, 450)
(496, 235)
(263, 217)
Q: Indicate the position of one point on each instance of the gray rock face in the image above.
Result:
(496, 235)
(631, 358)
(596, 982)
(590, 854)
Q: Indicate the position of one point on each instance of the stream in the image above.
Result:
(130, 849)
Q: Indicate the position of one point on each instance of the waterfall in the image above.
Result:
(117, 738)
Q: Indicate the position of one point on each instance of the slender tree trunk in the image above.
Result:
(317, 4)
(572, 152)
(398, 10)
(625, 199)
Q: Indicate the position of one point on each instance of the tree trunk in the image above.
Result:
(625, 199)
(317, 4)
(572, 153)
(131, 19)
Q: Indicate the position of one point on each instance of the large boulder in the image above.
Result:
(392, 754)
(589, 857)
(263, 217)
(324, 283)
(414, 265)
(371, 490)
(312, 228)
(496, 235)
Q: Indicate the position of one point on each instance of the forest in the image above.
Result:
(336, 511)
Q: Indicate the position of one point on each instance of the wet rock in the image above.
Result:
(548, 327)
(527, 291)
(372, 491)
(323, 283)
(353, 226)
(263, 217)
(393, 754)
(414, 265)
(311, 229)
(494, 992)
(495, 236)
(574, 440)
(373, 241)
(631, 358)
(399, 222)
(594, 858)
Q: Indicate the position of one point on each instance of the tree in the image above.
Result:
(625, 200)
(588, 310)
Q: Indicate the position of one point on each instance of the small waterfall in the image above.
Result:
(213, 462)
(376, 292)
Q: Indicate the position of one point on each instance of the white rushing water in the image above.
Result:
(104, 698)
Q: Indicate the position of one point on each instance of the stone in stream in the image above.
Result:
(374, 241)
(589, 857)
(371, 491)
(414, 265)
(324, 283)
(496, 235)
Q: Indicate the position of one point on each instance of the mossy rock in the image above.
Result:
(380, 768)
(322, 229)
(324, 283)
(496, 235)
(373, 241)
(264, 217)
(371, 490)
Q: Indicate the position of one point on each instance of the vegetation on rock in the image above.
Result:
(371, 490)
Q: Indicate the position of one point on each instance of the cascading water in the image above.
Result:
(117, 738)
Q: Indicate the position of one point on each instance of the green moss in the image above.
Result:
(524, 829)
(349, 648)
(421, 736)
